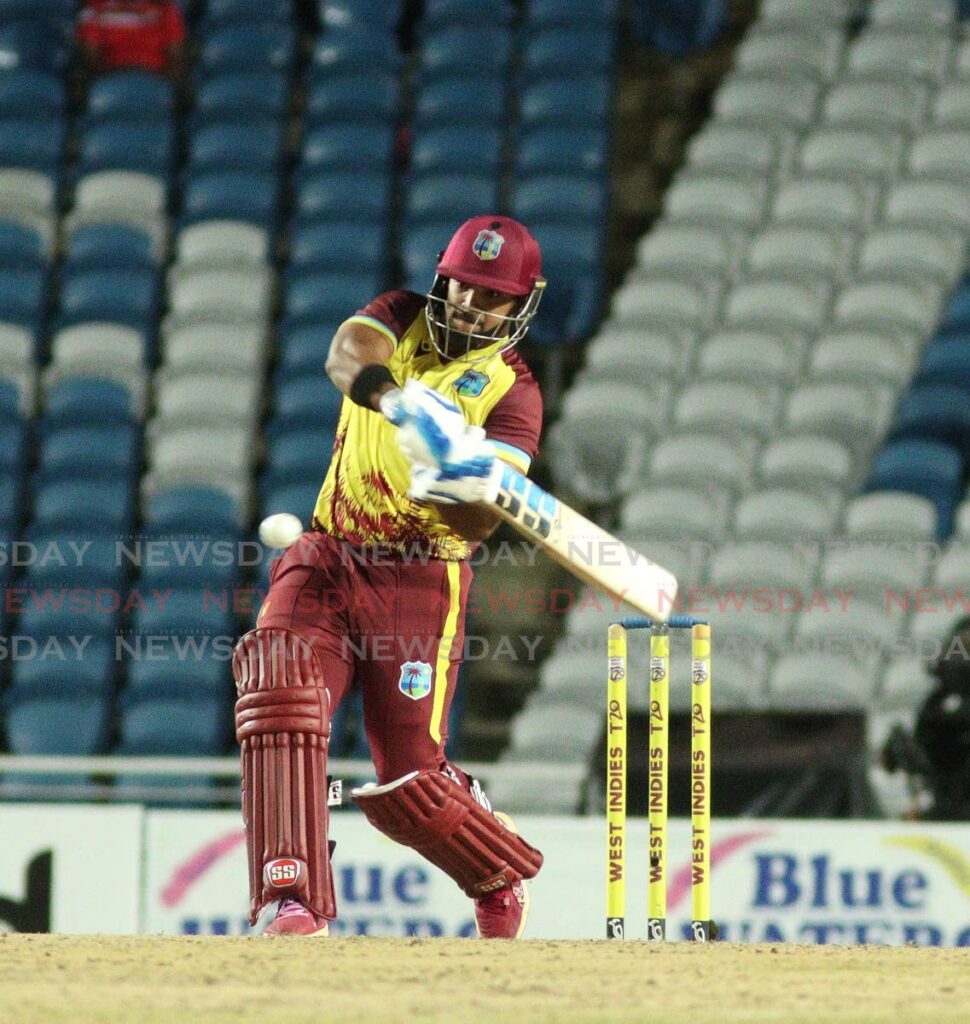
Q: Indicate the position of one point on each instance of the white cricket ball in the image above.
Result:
(280, 530)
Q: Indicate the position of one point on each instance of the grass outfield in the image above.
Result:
(162, 979)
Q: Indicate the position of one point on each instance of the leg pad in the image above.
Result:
(283, 727)
(429, 812)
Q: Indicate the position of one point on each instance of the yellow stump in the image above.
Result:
(658, 784)
(616, 718)
(700, 782)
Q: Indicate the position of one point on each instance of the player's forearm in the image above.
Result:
(355, 346)
(474, 522)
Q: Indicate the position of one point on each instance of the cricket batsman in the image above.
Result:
(436, 398)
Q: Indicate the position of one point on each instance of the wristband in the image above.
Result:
(370, 378)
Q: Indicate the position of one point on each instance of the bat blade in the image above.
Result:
(585, 549)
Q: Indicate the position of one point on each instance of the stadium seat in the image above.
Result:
(444, 49)
(130, 94)
(348, 147)
(236, 94)
(29, 92)
(89, 400)
(895, 54)
(98, 350)
(99, 560)
(103, 504)
(460, 101)
(771, 357)
(341, 246)
(241, 47)
(777, 305)
(853, 415)
(125, 295)
(701, 460)
(891, 515)
(327, 294)
(727, 407)
(862, 153)
(940, 154)
(32, 143)
(23, 296)
(805, 460)
(175, 727)
(127, 145)
(90, 451)
(211, 346)
(361, 98)
(558, 149)
(675, 513)
(222, 243)
(560, 198)
(790, 102)
(739, 149)
(249, 145)
(761, 564)
(576, 102)
(721, 202)
(191, 508)
(448, 197)
(951, 105)
(933, 204)
(22, 246)
(298, 497)
(186, 611)
(110, 247)
(71, 726)
(308, 403)
(298, 453)
(790, 50)
(780, 512)
(920, 254)
(819, 682)
(451, 148)
(231, 195)
(363, 195)
(823, 202)
(935, 412)
(873, 570)
(178, 675)
(228, 294)
(546, 50)
(83, 669)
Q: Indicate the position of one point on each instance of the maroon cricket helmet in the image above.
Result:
(494, 252)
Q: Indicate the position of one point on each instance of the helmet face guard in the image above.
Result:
(492, 252)
(454, 343)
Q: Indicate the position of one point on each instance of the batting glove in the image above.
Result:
(431, 430)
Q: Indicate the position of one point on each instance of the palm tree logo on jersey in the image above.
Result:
(415, 681)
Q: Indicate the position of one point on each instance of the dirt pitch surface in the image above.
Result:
(162, 980)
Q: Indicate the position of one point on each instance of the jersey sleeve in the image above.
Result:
(391, 313)
(515, 423)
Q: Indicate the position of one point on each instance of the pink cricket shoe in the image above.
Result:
(293, 918)
(502, 914)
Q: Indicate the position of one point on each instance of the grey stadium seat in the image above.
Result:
(672, 249)
(678, 303)
(214, 455)
(925, 55)
(895, 104)
(240, 292)
(119, 193)
(918, 14)
(716, 201)
(852, 414)
(857, 357)
(189, 399)
(809, 252)
(822, 12)
(841, 151)
(867, 627)
(751, 356)
(888, 305)
(550, 732)
(792, 50)
(676, 513)
(516, 789)
(210, 345)
(905, 682)
(823, 202)
(762, 564)
(728, 407)
(703, 460)
(942, 153)
(753, 623)
(805, 461)
(786, 514)
(951, 105)
(739, 149)
(779, 304)
(935, 255)
(99, 349)
(953, 569)
(874, 569)
(932, 204)
(222, 243)
(820, 682)
(891, 515)
(789, 102)
(630, 350)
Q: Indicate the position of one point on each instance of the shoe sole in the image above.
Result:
(510, 825)
(320, 933)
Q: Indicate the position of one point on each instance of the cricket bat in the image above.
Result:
(584, 548)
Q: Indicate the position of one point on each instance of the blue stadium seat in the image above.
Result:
(178, 727)
(562, 149)
(420, 249)
(11, 492)
(114, 246)
(458, 148)
(445, 50)
(86, 667)
(193, 508)
(577, 102)
(347, 147)
(365, 96)
(36, 43)
(23, 295)
(561, 198)
(298, 454)
(468, 12)
(69, 726)
(64, 614)
(946, 361)
(548, 13)
(465, 100)
(298, 498)
(128, 296)
(303, 345)
(9, 399)
(26, 92)
(21, 246)
(52, 10)
(211, 558)
(449, 197)
(73, 451)
(572, 252)
(130, 94)
(935, 412)
(324, 295)
(957, 312)
(242, 46)
(67, 560)
(679, 27)
(127, 145)
(220, 12)
(12, 445)
(231, 195)
(88, 400)
(928, 468)
(34, 143)
(186, 611)
(177, 676)
(552, 52)
(354, 15)
(90, 504)
(345, 194)
(350, 50)
(307, 403)
(250, 145)
(252, 92)
(340, 246)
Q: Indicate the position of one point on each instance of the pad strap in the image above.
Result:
(431, 813)
(283, 727)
